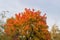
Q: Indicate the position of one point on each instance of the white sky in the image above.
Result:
(50, 7)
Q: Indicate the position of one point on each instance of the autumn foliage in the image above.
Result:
(28, 25)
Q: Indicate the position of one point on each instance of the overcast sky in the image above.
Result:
(50, 7)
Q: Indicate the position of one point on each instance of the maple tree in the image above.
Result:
(28, 25)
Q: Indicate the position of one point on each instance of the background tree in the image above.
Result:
(55, 32)
(2, 22)
(28, 25)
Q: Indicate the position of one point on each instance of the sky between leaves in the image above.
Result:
(50, 7)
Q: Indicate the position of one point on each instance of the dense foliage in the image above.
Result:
(28, 25)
